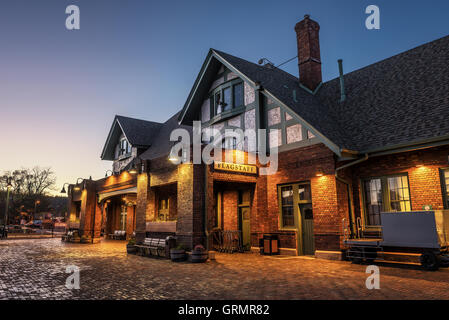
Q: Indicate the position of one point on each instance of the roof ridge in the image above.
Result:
(257, 65)
(150, 121)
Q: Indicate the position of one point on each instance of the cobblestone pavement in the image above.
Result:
(35, 269)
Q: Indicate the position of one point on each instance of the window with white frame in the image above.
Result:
(385, 194)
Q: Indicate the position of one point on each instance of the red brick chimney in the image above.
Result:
(309, 59)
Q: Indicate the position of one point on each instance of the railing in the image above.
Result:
(228, 241)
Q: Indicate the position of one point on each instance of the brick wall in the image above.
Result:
(424, 181)
(302, 165)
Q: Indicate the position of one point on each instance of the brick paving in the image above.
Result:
(35, 269)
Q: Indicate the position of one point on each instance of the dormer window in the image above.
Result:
(125, 147)
(228, 96)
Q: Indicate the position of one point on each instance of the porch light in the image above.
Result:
(319, 173)
(106, 174)
(173, 159)
(77, 188)
(133, 170)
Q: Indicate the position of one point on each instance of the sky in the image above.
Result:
(60, 89)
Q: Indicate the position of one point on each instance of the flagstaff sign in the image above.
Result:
(233, 167)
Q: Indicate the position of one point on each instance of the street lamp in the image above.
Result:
(8, 187)
(76, 186)
(63, 187)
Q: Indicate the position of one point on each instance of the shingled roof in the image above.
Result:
(161, 144)
(397, 101)
(403, 99)
(139, 133)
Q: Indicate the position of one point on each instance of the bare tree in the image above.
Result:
(28, 187)
(27, 182)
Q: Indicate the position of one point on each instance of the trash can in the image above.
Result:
(269, 245)
(170, 242)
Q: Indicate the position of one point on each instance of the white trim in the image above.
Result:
(104, 195)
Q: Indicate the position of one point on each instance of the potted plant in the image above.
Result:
(131, 246)
(178, 254)
(199, 254)
(84, 239)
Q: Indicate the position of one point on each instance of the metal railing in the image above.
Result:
(228, 241)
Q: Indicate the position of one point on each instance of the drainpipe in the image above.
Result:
(342, 81)
(206, 231)
(348, 183)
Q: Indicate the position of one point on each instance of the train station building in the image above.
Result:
(370, 141)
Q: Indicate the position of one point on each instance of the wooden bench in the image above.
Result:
(152, 247)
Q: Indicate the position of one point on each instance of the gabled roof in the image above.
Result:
(398, 101)
(161, 144)
(139, 133)
(277, 84)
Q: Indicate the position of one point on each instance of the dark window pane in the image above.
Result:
(227, 99)
(308, 214)
(287, 196)
(305, 193)
(373, 201)
(218, 106)
(287, 216)
(238, 95)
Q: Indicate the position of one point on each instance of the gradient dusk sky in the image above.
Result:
(60, 89)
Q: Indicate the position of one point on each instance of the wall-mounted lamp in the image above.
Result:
(63, 187)
(320, 173)
(133, 169)
(77, 187)
(106, 174)
(173, 158)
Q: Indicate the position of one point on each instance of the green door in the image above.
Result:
(244, 213)
(244, 218)
(308, 241)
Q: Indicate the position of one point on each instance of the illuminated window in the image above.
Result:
(163, 209)
(385, 194)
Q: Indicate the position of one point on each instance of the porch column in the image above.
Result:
(190, 226)
(141, 207)
(88, 208)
